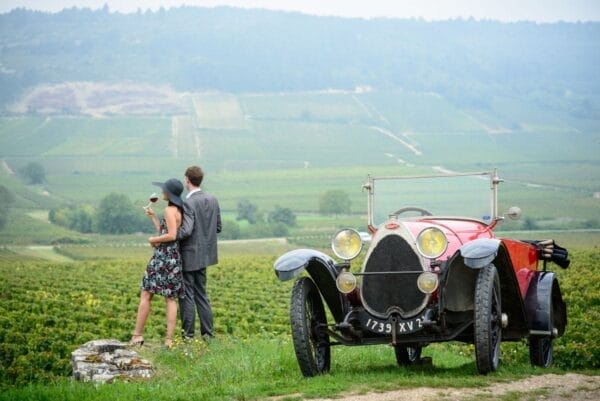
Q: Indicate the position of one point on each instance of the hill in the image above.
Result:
(280, 107)
(238, 50)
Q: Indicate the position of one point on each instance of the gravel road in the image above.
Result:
(550, 387)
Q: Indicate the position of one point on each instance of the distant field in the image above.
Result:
(218, 111)
(22, 229)
(287, 149)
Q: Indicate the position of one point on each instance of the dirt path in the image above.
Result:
(389, 134)
(550, 387)
(7, 168)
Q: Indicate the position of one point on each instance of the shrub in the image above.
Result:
(34, 172)
(117, 215)
(230, 230)
(283, 215)
(6, 201)
(334, 202)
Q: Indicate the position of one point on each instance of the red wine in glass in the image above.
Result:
(153, 199)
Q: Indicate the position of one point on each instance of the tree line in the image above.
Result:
(115, 214)
(237, 50)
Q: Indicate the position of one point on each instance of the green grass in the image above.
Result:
(255, 369)
(44, 252)
(135, 248)
(22, 229)
(27, 197)
(418, 112)
(83, 136)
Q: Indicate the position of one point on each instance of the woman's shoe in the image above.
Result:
(136, 341)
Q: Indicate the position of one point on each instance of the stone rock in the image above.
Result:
(103, 361)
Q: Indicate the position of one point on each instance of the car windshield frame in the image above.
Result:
(492, 186)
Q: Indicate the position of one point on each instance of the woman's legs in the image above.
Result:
(171, 319)
(142, 315)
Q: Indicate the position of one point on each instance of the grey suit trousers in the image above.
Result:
(195, 299)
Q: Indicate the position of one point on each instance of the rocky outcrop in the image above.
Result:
(104, 361)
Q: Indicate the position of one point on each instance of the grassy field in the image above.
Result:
(256, 369)
(288, 148)
(22, 229)
(50, 307)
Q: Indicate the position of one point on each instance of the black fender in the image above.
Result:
(544, 306)
(321, 268)
(461, 275)
(480, 252)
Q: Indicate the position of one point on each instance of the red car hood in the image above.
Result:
(459, 231)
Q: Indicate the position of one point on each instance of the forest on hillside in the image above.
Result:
(235, 50)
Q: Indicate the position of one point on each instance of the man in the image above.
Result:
(198, 246)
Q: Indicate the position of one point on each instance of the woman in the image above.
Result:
(163, 274)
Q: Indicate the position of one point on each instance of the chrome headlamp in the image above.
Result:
(346, 282)
(432, 243)
(427, 282)
(346, 244)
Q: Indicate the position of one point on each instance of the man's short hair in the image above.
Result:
(195, 175)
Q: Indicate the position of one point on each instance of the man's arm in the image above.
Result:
(187, 225)
(219, 226)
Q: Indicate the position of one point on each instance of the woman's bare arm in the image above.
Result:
(150, 213)
(171, 213)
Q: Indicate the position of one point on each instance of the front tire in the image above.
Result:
(487, 320)
(408, 355)
(309, 322)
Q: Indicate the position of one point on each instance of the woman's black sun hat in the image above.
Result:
(173, 188)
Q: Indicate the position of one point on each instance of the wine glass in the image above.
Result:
(152, 199)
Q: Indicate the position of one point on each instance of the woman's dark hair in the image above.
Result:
(177, 206)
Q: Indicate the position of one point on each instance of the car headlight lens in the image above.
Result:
(432, 243)
(346, 282)
(346, 244)
(427, 282)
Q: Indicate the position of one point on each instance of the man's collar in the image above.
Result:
(193, 191)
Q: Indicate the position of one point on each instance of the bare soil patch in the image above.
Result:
(550, 387)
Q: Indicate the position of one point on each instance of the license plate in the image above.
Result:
(402, 326)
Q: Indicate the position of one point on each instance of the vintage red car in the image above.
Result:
(430, 274)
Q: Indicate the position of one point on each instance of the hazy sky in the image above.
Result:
(504, 10)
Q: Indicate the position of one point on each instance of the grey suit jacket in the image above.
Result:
(197, 235)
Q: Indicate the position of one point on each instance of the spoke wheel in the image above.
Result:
(487, 320)
(308, 321)
(541, 350)
(408, 355)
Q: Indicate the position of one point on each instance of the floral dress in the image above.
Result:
(163, 274)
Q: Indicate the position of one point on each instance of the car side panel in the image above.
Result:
(524, 258)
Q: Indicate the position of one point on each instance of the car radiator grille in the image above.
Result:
(382, 292)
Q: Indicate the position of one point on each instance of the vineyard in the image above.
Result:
(287, 148)
(48, 309)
